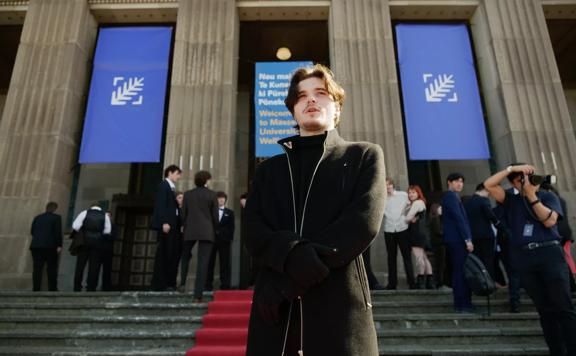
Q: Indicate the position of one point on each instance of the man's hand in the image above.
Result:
(525, 168)
(469, 246)
(268, 302)
(305, 267)
(529, 189)
(166, 228)
(59, 249)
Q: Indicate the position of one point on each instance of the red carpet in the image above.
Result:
(225, 327)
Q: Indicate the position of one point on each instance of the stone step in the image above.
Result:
(76, 351)
(98, 339)
(445, 306)
(463, 350)
(99, 297)
(105, 322)
(525, 336)
(454, 321)
(95, 309)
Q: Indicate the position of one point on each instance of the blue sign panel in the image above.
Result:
(443, 111)
(124, 116)
(273, 120)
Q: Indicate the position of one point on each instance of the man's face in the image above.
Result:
(389, 187)
(221, 201)
(243, 202)
(456, 185)
(174, 176)
(180, 199)
(315, 108)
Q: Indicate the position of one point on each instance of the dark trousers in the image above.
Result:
(485, 249)
(107, 255)
(81, 262)
(204, 253)
(439, 263)
(372, 280)
(222, 249)
(395, 240)
(460, 290)
(168, 250)
(41, 257)
(543, 274)
(94, 264)
(511, 266)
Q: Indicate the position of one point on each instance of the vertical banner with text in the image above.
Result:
(124, 116)
(442, 106)
(273, 120)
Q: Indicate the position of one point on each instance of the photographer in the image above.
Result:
(532, 216)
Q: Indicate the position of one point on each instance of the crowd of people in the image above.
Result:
(310, 219)
(181, 220)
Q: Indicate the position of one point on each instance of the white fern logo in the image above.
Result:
(128, 91)
(439, 88)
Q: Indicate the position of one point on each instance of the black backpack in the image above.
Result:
(477, 277)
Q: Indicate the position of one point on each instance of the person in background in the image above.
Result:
(166, 221)
(437, 244)
(566, 234)
(94, 224)
(534, 241)
(458, 239)
(222, 245)
(46, 245)
(396, 236)
(482, 218)
(200, 217)
(415, 217)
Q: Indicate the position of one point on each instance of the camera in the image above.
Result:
(536, 179)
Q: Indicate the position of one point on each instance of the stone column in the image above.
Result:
(363, 60)
(528, 115)
(40, 127)
(202, 116)
(201, 133)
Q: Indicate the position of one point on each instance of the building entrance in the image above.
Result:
(260, 41)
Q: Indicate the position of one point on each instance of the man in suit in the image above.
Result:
(222, 244)
(45, 247)
(481, 219)
(200, 221)
(458, 240)
(165, 221)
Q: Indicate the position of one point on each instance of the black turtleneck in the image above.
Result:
(307, 151)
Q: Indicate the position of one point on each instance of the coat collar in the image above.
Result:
(332, 138)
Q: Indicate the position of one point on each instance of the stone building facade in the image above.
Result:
(522, 49)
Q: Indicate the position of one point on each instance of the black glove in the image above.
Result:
(268, 302)
(305, 267)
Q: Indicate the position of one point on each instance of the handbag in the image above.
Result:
(78, 242)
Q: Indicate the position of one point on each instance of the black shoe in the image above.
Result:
(389, 287)
(514, 308)
(377, 287)
(430, 282)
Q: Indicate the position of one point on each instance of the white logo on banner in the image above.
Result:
(127, 91)
(439, 88)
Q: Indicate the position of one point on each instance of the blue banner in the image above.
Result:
(124, 116)
(442, 107)
(273, 120)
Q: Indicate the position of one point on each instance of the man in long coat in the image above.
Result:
(311, 213)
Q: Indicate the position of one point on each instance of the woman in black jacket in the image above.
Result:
(311, 213)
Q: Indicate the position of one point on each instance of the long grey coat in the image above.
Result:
(344, 211)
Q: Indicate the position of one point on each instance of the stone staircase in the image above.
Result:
(153, 323)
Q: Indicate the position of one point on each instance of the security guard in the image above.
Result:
(535, 243)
